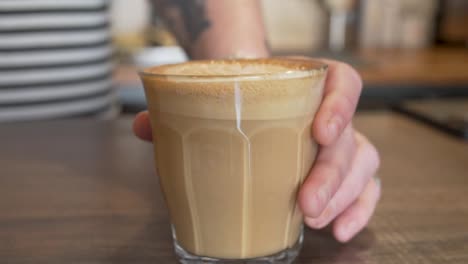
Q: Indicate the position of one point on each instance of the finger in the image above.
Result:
(356, 217)
(363, 168)
(342, 90)
(327, 174)
(142, 126)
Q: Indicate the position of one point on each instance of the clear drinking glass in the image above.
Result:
(232, 144)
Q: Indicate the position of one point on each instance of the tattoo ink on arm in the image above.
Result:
(195, 20)
(186, 18)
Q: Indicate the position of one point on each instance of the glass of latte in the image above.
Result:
(233, 144)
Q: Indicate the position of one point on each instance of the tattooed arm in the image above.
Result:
(216, 28)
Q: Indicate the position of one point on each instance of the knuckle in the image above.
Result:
(333, 172)
(349, 98)
(347, 69)
(346, 104)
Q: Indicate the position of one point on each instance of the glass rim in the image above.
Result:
(309, 67)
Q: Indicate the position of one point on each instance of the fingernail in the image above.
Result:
(377, 181)
(311, 222)
(319, 201)
(333, 126)
(316, 223)
(348, 230)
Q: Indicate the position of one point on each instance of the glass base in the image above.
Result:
(283, 257)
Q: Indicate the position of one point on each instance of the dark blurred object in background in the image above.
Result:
(452, 22)
(449, 115)
(341, 15)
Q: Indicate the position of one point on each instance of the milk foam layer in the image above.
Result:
(259, 89)
(222, 68)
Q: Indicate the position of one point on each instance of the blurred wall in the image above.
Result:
(129, 17)
(397, 23)
(295, 25)
(129, 24)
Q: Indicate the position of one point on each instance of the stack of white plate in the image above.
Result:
(55, 58)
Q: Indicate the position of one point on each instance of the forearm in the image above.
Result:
(216, 28)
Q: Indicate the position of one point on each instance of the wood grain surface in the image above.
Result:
(435, 67)
(82, 191)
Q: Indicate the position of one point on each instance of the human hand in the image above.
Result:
(341, 187)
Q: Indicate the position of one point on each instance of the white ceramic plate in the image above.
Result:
(52, 39)
(160, 55)
(34, 94)
(50, 57)
(54, 110)
(51, 21)
(47, 75)
(35, 5)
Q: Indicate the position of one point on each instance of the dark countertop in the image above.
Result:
(84, 191)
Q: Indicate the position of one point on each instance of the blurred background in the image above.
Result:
(412, 54)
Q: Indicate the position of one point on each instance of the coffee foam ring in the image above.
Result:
(253, 99)
(240, 68)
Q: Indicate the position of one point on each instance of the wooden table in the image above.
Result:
(85, 192)
(440, 67)
(399, 68)
(393, 76)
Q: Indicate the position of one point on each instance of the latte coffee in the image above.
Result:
(233, 143)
